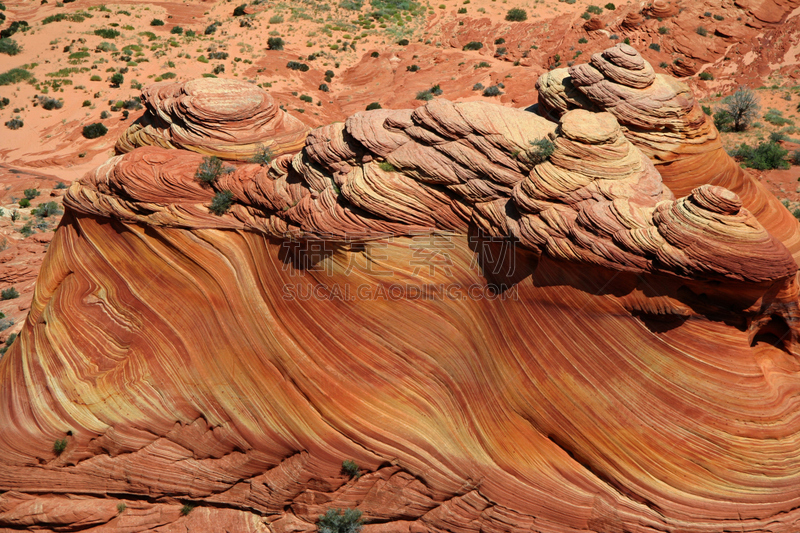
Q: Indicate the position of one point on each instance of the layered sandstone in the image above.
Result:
(227, 118)
(501, 338)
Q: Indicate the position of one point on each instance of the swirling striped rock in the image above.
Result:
(499, 343)
(226, 118)
(660, 116)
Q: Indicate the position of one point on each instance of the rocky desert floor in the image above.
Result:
(83, 62)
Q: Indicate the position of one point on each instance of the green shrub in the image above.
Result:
(541, 150)
(275, 43)
(424, 95)
(585, 15)
(478, 87)
(121, 507)
(117, 79)
(9, 294)
(516, 14)
(294, 65)
(352, 5)
(473, 45)
(202, 59)
(156, 22)
(211, 28)
(14, 124)
(776, 118)
(59, 446)
(306, 98)
(50, 103)
(350, 468)
(93, 131)
(707, 110)
(46, 209)
(263, 155)
(9, 47)
(765, 156)
(276, 19)
(655, 46)
(209, 170)
(374, 54)
(15, 75)
(61, 185)
(186, 509)
(30, 194)
(795, 157)
(239, 10)
(24, 202)
(176, 30)
(403, 42)
(499, 40)
(583, 40)
(373, 105)
(386, 166)
(663, 30)
(340, 521)
(719, 17)
(706, 76)
(494, 90)
(218, 55)
(221, 202)
(594, 10)
(107, 33)
(610, 6)
(701, 31)
(412, 68)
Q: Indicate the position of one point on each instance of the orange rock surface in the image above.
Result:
(501, 340)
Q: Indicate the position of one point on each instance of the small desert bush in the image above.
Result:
(50, 103)
(209, 170)
(106, 33)
(156, 22)
(541, 150)
(294, 65)
(9, 47)
(176, 30)
(350, 468)
(239, 10)
(30, 194)
(655, 46)
(765, 156)
(59, 446)
(15, 75)
(221, 202)
(373, 105)
(275, 43)
(473, 45)
(340, 521)
(9, 294)
(14, 124)
(516, 14)
(494, 90)
(93, 131)
(263, 155)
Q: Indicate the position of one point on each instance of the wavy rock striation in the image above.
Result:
(501, 336)
(226, 118)
(661, 117)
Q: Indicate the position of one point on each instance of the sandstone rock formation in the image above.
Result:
(502, 338)
(221, 117)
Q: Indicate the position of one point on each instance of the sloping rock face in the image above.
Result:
(504, 336)
(227, 118)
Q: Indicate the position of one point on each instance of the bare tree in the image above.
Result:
(743, 108)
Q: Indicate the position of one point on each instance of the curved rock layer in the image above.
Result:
(213, 116)
(661, 117)
(504, 336)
